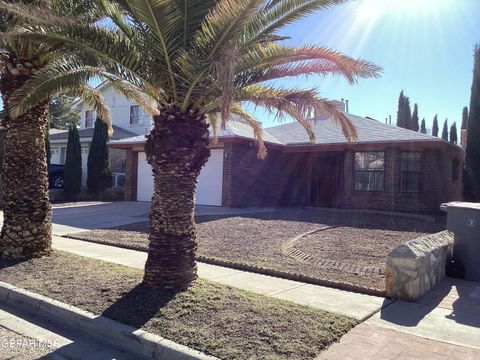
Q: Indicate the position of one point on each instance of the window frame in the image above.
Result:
(93, 119)
(405, 189)
(139, 117)
(355, 171)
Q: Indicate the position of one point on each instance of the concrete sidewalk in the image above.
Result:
(358, 306)
(444, 324)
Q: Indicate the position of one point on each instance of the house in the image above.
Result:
(387, 168)
(128, 120)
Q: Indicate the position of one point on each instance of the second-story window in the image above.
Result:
(135, 115)
(90, 117)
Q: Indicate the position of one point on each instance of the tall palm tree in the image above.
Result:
(200, 61)
(26, 228)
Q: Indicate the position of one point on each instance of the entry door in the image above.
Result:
(326, 179)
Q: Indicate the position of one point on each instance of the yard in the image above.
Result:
(216, 319)
(329, 246)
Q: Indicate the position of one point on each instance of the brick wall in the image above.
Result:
(437, 186)
(275, 181)
(129, 171)
(249, 181)
(118, 160)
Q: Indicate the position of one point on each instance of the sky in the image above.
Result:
(425, 48)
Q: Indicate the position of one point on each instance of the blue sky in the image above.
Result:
(424, 46)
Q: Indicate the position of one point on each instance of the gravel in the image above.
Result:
(256, 239)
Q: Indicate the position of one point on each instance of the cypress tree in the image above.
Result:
(471, 188)
(423, 127)
(401, 110)
(99, 177)
(73, 164)
(414, 121)
(407, 113)
(464, 118)
(445, 130)
(453, 133)
(435, 126)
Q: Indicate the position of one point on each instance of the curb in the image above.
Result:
(139, 342)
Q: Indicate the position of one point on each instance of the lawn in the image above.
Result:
(351, 250)
(218, 320)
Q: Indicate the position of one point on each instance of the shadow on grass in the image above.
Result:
(139, 305)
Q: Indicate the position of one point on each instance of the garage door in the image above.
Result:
(209, 188)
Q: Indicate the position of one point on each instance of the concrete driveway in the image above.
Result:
(97, 215)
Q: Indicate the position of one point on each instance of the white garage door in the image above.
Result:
(209, 188)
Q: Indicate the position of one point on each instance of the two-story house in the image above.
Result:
(128, 120)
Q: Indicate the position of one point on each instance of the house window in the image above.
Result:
(455, 170)
(90, 116)
(369, 171)
(134, 115)
(63, 151)
(411, 172)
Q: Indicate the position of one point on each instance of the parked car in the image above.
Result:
(55, 176)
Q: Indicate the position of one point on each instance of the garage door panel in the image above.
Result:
(209, 186)
(144, 179)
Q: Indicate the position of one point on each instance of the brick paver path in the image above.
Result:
(369, 342)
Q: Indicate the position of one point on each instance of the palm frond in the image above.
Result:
(96, 100)
(301, 105)
(271, 60)
(276, 14)
(245, 117)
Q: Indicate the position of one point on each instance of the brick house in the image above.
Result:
(387, 168)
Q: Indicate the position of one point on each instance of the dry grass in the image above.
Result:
(218, 320)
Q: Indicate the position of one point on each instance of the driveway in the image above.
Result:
(99, 215)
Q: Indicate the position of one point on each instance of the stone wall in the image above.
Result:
(417, 266)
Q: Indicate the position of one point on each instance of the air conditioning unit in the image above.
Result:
(118, 180)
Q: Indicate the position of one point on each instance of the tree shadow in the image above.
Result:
(139, 305)
(450, 294)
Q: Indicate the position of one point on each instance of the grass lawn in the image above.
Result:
(256, 239)
(218, 320)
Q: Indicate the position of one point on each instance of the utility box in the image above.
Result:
(463, 219)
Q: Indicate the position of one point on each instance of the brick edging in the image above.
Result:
(426, 218)
(256, 269)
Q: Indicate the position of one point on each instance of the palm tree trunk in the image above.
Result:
(26, 231)
(177, 149)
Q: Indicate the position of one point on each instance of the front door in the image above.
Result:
(326, 179)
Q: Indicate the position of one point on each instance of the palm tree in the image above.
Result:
(26, 228)
(200, 61)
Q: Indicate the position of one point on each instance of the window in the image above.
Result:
(63, 151)
(90, 117)
(135, 115)
(411, 172)
(455, 170)
(369, 171)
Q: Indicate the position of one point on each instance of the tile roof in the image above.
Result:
(118, 133)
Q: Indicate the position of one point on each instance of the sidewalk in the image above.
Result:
(444, 324)
(358, 306)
